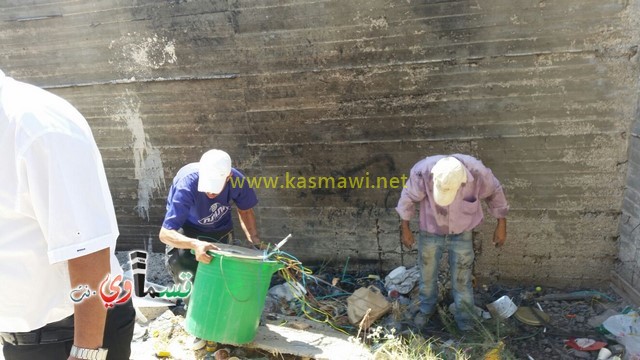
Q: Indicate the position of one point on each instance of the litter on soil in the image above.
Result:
(547, 324)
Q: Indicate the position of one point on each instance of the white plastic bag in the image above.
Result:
(402, 279)
(626, 329)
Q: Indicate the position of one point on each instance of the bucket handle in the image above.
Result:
(224, 279)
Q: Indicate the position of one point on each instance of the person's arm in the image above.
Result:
(412, 193)
(408, 239)
(90, 314)
(248, 223)
(180, 241)
(500, 234)
(491, 190)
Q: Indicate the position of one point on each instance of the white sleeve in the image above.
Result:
(66, 186)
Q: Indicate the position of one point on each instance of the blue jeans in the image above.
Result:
(460, 248)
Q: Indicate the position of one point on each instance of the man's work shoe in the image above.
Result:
(421, 319)
(465, 327)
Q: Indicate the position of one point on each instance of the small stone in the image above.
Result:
(299, 325)
(580, 354)
(221, 354)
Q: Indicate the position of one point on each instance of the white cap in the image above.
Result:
(448, 175)
(215, 167)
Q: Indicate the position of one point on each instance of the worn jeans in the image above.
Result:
(460, 249)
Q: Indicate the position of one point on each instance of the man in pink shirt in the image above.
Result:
(449, 190)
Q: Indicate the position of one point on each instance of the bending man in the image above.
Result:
(449, 190)
(199, 211)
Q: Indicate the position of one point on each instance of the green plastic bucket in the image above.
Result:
(228, 295)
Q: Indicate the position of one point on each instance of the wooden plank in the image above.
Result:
(623, 288)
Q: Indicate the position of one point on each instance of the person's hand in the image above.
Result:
(201, 249)
(256, 243)
(408, 239)
(500, 234)
(261, 246)
(255, 240)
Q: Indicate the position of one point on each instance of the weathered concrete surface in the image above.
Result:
(543, 91)
(627, 270)
(314, 342)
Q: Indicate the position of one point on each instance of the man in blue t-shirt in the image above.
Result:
(199, 211)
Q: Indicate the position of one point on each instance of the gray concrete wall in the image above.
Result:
(543, 91)
(627, 271)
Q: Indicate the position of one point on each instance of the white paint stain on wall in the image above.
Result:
(147, 159)
(137, 54)
(379, 23)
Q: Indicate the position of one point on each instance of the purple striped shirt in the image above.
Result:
(465, 213)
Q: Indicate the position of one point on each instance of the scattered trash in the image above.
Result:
(531, 316)
(626, 329)
(211, 346)
(402, 279)
(162, 330)
(495, 353)
(222, 354)
(503, 307)
(365, 300)
(604, 354)
(284, 292)
(584, 344)
(281, 243)
(323, 298)
(163, 353)
(617, 349)
(597, 321)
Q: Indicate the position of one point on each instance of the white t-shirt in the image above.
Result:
(55, 204)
